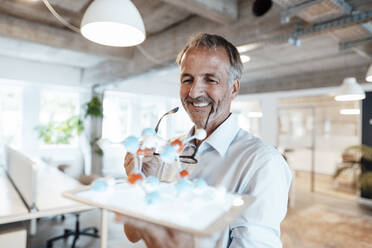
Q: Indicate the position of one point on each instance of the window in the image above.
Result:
(117, 117)
(56, 109)
(150, 112)
(11, 116)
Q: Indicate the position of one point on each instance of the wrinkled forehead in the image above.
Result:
(204, 57)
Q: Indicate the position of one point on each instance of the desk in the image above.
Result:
(12, 208)
(51, 183)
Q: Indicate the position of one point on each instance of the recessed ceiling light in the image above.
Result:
(369, 74)
(248, 47)
(245, 58)
(350, 111)
(254, 114)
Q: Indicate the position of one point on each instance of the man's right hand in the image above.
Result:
(150, 163)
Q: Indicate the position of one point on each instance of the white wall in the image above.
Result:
(269, 120)
(40, 73)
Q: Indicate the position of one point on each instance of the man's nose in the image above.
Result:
(197, 89)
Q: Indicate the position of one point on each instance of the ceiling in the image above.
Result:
(333, 44)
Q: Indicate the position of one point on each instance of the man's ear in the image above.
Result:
(235, 88)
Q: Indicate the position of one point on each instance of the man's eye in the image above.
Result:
(211, 81)
(187, 81)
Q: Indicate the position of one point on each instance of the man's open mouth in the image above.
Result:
(201, 104)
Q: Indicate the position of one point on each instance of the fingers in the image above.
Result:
(149, 154)
(151, 167)
(129, 163)
(150, 163)
(132, 233)
(154, 236)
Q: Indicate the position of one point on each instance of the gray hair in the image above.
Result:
(212, 41)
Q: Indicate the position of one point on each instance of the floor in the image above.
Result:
(327, 218)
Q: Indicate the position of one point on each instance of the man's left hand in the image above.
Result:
(156, 236)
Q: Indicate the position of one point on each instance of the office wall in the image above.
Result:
(39, 73)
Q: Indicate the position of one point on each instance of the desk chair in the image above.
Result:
(89, 231)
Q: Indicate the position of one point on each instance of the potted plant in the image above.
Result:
(94, 109)
(359, 157)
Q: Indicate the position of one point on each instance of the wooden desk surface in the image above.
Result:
(11, 204)
(51, 183)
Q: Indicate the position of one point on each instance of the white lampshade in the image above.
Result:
(350, 90)
(113, 23)
(369, 74)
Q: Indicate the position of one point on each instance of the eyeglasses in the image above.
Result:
(190, 159)
(187, 159)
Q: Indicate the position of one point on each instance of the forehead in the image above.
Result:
(205, 60)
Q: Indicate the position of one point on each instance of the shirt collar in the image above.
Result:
(223, 136)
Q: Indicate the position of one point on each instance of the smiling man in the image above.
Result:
(207, 86)
(230, 157)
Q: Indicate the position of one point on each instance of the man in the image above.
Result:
(229, 156)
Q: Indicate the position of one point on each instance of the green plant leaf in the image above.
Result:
(61, 132)
(94, 108)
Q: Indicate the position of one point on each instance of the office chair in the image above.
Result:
(89, 231)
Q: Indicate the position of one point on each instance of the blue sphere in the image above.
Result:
(153, 180)
(169, 154)
(152, 197)
(131, 144)
(99, 185)
(183, 185)
(200, 183)
(148, 131)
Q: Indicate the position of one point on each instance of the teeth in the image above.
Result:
(204, 104)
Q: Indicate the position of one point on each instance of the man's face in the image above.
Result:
(205, 86)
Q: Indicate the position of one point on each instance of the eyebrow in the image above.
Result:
(211, 75)
(186, 75)
(205, 75)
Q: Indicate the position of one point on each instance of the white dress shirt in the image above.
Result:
(244, 164)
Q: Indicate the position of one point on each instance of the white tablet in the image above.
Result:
(185, 206)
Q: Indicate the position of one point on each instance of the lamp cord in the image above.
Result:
(77, 30)
(60, 18)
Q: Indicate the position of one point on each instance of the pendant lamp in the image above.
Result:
(350, 90)
(113, 23)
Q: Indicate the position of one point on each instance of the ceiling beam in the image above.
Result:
(321, 79)
(16, 28)
(221, 11)
(37, 12)
(165, 46)
(290, 11)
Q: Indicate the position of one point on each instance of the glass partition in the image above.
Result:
(314, 132)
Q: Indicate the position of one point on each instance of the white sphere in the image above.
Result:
(200, 134)
(103, 143)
